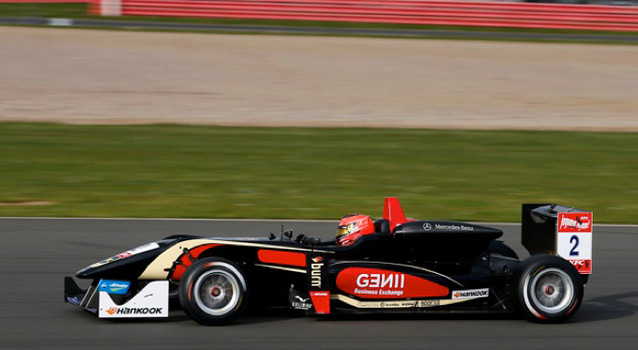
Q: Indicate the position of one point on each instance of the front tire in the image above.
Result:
(548, 288)
(213, 291)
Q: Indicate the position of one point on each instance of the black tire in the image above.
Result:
(548, 288)
(213, 291)
(498, 247)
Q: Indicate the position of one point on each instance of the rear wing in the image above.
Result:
(559, 230)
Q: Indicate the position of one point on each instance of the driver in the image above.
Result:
(353, 226)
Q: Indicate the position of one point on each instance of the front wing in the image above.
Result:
(119, 299)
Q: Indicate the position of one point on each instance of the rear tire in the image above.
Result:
(548, 289)
(213, 291)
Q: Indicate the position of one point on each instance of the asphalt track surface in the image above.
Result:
(36, 254)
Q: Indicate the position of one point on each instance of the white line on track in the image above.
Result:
(250, 220)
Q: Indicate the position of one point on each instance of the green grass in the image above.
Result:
(223, 172)
(80, 11)
(43, 10)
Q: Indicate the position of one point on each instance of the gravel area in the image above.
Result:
(121, 77)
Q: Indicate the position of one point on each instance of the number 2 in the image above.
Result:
(574, 240)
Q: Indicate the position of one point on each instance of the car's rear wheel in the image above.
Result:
(548, 288)
(213, 291)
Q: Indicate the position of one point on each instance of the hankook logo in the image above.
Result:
(134, 310)
(470, 293)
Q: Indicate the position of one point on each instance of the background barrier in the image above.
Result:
(42, 1)
(453, 13)
(424, 12)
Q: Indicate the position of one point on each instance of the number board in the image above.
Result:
(574, 239)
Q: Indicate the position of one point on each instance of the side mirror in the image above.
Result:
(288, 234)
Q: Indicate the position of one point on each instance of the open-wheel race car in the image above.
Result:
(393, 264)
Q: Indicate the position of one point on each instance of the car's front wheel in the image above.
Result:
(548, 288)
(213, 291)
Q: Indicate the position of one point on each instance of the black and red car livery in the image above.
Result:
(405, 265)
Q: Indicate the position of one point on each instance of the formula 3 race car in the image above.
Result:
(393, 265)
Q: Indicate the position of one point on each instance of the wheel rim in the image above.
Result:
(552, 290)
(216, 292)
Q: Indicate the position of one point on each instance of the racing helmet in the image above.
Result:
(351, 227)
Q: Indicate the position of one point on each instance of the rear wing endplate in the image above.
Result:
(559, 230)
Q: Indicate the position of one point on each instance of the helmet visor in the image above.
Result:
(342, 231)
(346, 229)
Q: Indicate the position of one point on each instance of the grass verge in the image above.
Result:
(224, 172)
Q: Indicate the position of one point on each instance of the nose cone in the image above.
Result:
(125, 269)
(130, 264)
(127, 265)
(85, 272)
